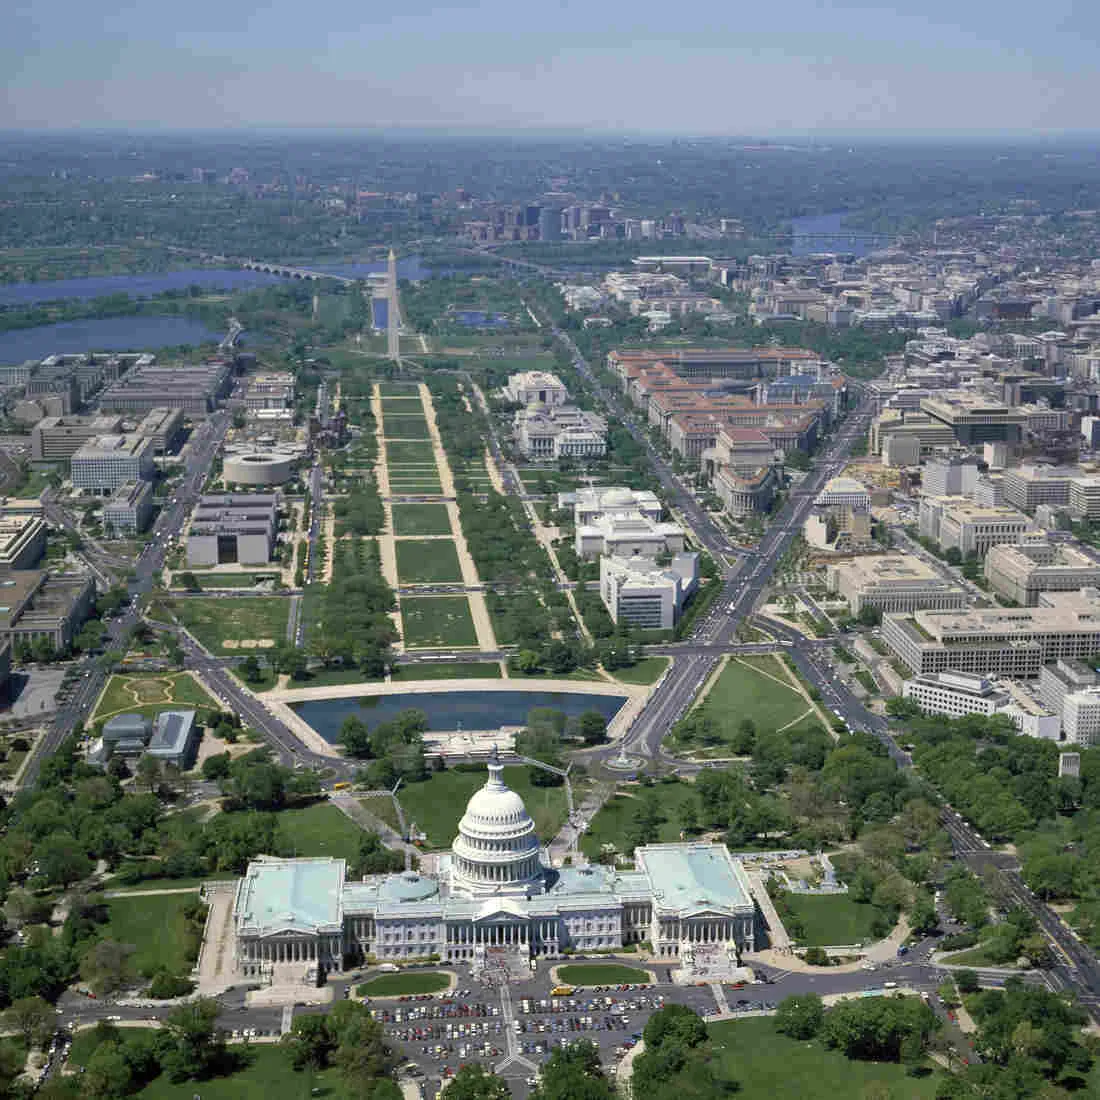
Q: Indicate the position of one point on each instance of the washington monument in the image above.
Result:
(393, 313)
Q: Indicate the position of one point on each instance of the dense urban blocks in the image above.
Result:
(421, 519)
(431, 622)
(428, 561)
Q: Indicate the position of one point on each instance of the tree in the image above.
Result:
(216, 767)
(573, 1073)
(148, 772)
(355, 738)
(474, 1082)
(310, 1042)
(61, 861)
(250, 669)
(361, 1054)
(966, 981)
(107, 1074)
(106, 966)
(32, 1018)
(800, 1016)
(189, 581)
(689, 816)
(193, 1046)
(593, 727)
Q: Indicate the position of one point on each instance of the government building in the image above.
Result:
(493, 892)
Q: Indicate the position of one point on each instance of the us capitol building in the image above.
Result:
(493, 891)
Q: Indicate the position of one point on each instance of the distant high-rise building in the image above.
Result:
(550, 224)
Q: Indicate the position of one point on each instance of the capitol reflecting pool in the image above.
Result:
(451, 710)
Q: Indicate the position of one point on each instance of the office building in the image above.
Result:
(1081, 717)
(960, 523)
(193, 389)
(1026, 487)
(1012, 643)
(172, 738)
(892, 583)
(955, 694)
(233, 528)
(973, 419)
(638, 591)
(108, 461)
(1021, 570)
(163, 426)
(746, 492)
(268, 390)
(57, 438)
(948, 474)
(1084, 498)
(22, 541)
(1062, 678)
(536, 387)
(129, 508)
(492, 894)
(844, 492)
(38, 605)
(1069, 763)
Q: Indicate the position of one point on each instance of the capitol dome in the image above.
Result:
(496, 850)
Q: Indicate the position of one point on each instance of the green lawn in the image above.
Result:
(335, 677)
(421, 519)
(150, 694)
(267, 1075)
(428, 561)
(404, 427)
(469, 670)
(401, 453)
(217, 621)
(319, 830)
(612, 823)
(432, 622)
(383, 809)
(398, 389)
(832, 920)
(602, 974)
(646, 671)
(748, 691)
(437, 804)
(233, 580)
(767, 1065)
(399, 985)
(155, 926)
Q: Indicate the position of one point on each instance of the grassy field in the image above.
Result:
(647, 671)
(766, 1064)
(383, 809)
(155, 926)
(319, 830)
(421, 519)
(832, 920)
(459, 670)
(404, 427)
(437, 804)
(403, 453)
(430, 622)
(399, 985)
(601, 974)
(612, 824)
(150, 694)
(750, 691)
(397, 389)
(217, 621)
(428, 561)
(267, 1074)
(233, 580)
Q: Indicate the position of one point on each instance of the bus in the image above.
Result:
(562, 991)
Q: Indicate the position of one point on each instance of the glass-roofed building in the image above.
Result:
(493, 890)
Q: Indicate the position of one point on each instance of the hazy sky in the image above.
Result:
(691, 66)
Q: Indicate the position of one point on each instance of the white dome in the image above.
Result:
(496, 850)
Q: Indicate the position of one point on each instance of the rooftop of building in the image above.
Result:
(963, 508)
(125, 445)
(694, 877)
(889, 568)
(17, 587)
(300, 895)
(1060, 612)
(129, 493)
(171, 731)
